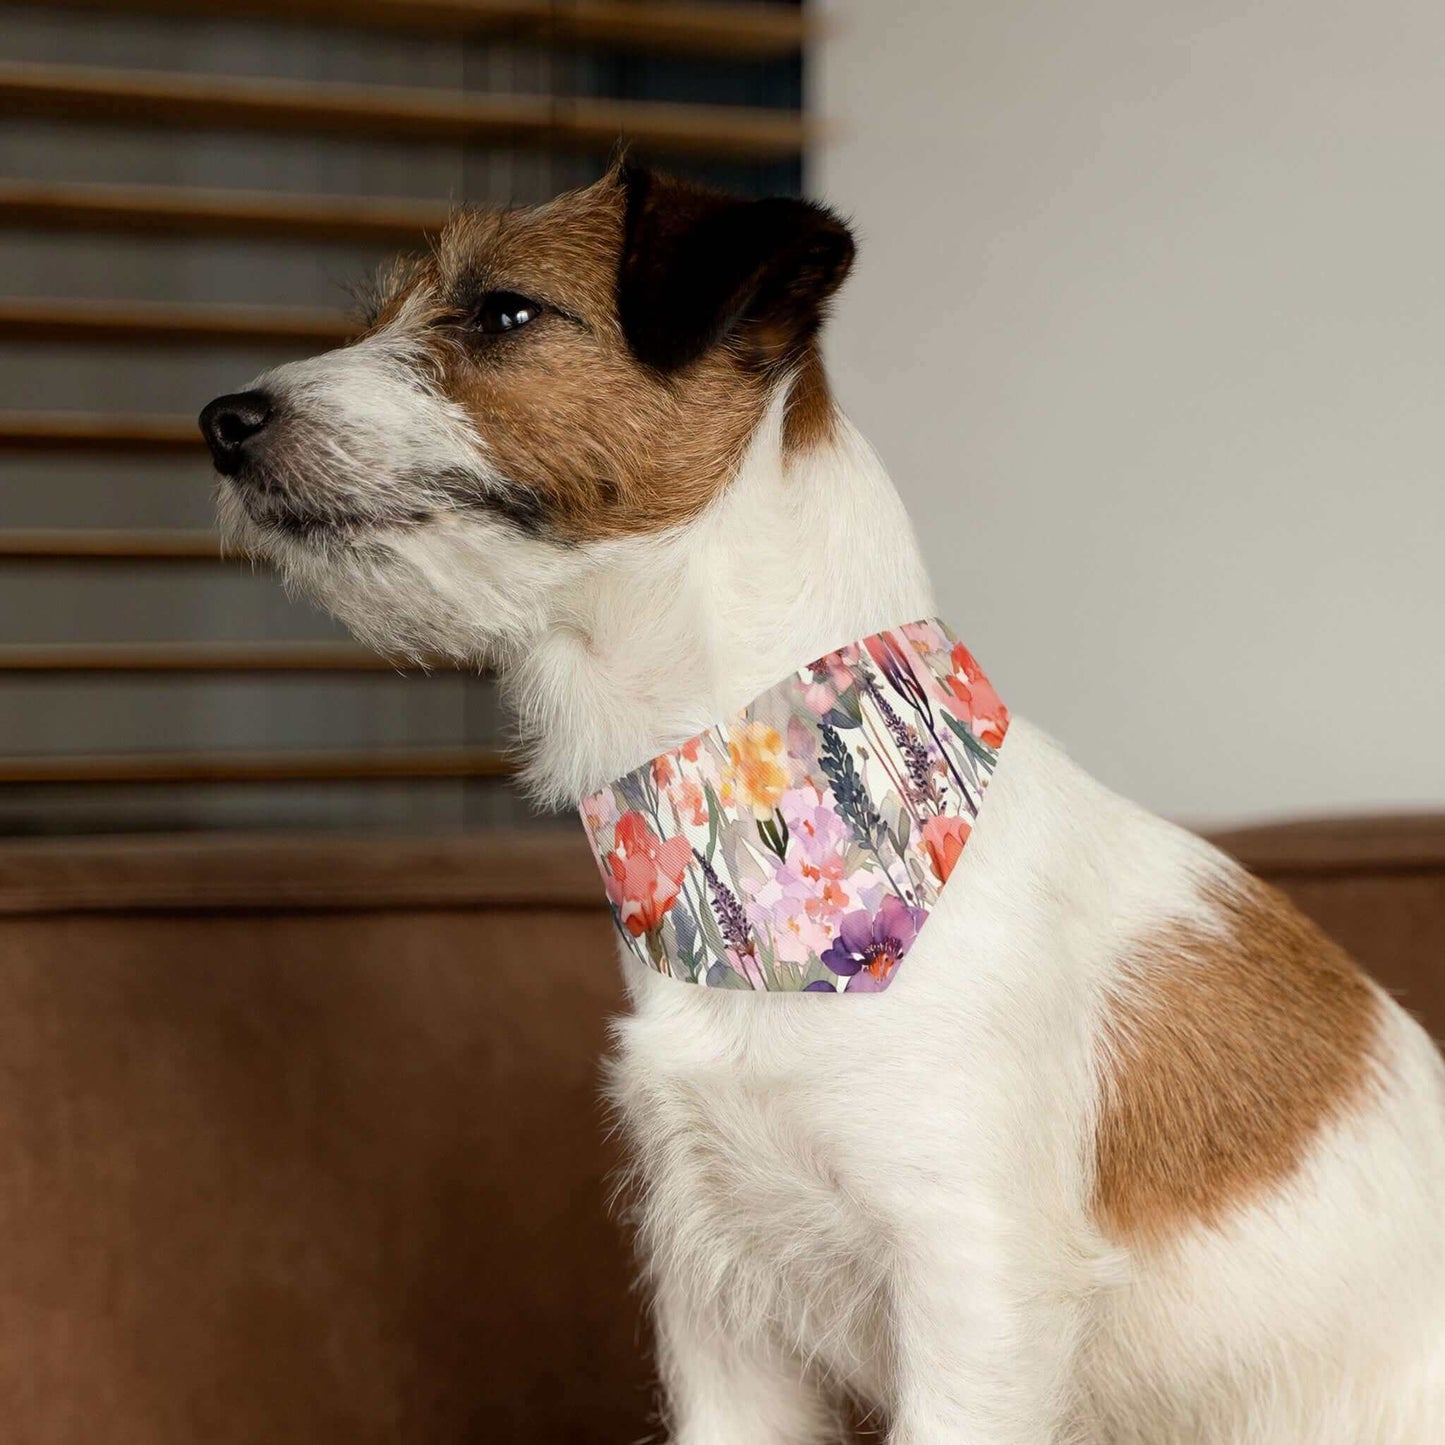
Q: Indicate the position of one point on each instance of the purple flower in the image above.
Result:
(869, 946)
(732, 921)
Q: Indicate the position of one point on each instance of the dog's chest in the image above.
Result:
(751, 1175)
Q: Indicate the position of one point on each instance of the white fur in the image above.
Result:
(889, 1196)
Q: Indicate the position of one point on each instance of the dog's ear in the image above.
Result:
(698, 267)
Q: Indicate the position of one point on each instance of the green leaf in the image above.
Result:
(986, 755)
(767, 964)
(714, 812)
(711, 934)
(776, 840)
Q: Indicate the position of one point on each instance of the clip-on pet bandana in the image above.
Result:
(799, 845)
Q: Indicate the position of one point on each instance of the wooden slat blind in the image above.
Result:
(250, 106)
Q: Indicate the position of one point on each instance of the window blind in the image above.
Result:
(184, 198)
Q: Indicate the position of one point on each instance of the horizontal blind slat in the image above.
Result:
(337, 765)
(193, 657)
(223, 103)
(170, 323)
(114, 432)
(736, 31)
(79, 544)
(172, 210)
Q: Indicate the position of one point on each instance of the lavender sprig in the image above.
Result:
(914, 751)
(732, 921)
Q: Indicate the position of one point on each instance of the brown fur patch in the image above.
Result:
(1227, 1053)
(603, 444)
(810, 417)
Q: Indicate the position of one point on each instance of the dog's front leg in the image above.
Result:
(985, 1351)
(723, 1389)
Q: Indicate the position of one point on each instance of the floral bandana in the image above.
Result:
(798, 846)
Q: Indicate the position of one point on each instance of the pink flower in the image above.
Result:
(690, 801)
(819, 697)
(819, 833)
(802, 750)
(927, 638)
(973, 699)
(832, 674)
(680, 786)
(803, 898)
(644, 873)
(944, 839)
(839, 666)
(599, 811)
(797, 909)
(710, 763)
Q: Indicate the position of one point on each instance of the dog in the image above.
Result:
(1128, 1152)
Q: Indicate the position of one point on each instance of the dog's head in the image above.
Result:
(543, 383)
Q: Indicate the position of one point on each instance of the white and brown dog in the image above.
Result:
(1129, 1153)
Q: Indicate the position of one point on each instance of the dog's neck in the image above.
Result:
(665, 635)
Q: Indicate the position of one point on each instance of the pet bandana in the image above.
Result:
(799, 845)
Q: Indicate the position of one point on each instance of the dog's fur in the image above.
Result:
(1128, 1153)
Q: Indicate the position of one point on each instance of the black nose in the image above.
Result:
(229, 422)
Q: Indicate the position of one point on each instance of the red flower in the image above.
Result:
(978, 704)
(644, 874)
(944, 839)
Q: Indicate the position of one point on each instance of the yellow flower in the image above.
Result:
(759, 768)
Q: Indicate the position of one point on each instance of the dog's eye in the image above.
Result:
(500, 311)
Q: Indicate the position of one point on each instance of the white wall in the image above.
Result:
(1149, 324)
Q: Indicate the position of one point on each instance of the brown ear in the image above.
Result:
(698, 267)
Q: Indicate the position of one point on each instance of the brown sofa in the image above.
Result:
(300, 1139)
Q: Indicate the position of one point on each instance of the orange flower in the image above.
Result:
(661, 771)
(759, 767)
(644, 873)
(944, 839)
(978, 704)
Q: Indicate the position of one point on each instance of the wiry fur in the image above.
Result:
(896, 1198)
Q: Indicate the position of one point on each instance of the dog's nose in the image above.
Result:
(229, 422)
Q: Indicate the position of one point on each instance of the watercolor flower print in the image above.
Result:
(800, 845)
